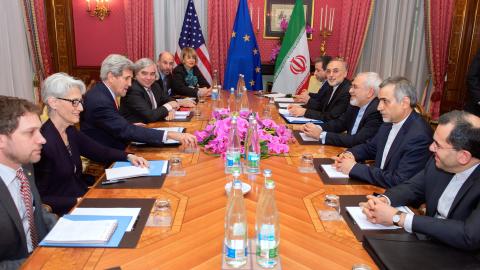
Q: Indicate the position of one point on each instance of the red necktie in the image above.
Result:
(26, 195)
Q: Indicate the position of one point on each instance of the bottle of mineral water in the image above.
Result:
(233, 149)
(266, 225)
(232, 102)
(236, 227)
(240, 85)
(215, 85)
(252, 147)
(244, 100)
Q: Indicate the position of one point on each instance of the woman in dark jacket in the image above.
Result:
(187, 78)
(58, 175)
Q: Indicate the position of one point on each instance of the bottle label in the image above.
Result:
(236, 249)
(271, 253)
(267, 246)
(233, 159)
(253, 159)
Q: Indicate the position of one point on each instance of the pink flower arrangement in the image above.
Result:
(274, 138)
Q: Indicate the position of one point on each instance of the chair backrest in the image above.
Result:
(313, 84)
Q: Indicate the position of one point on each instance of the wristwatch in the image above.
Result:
(396, 218)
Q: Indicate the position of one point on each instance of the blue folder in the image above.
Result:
(156, 166)
(114, 241)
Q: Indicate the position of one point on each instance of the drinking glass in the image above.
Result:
(306, 163)
(176, 168)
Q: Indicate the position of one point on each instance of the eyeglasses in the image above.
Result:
(437, 147)
(75, 102)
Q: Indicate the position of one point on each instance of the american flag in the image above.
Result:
(191, 36)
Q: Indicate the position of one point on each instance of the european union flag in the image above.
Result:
(243, 53)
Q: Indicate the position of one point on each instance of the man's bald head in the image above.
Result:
(165, 63)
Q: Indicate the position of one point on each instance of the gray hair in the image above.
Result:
(372, 80)
(116, 64)
(403, 88)
(58, 85)
(143, 63)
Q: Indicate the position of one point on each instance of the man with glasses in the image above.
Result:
(400, 147)
(449, 186)
(332, 99)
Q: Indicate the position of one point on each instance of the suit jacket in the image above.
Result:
(367, 128)
(58, 175)
(473, 86)
(318, 106)
(407, 156)
(102, 122)
(180, 87)
(166, 91)
(137, 107)
(461, 228)
(13, 246)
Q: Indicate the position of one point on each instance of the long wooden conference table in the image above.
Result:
(198, 201)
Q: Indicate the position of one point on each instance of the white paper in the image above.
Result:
(82, 232)
(181, 114)
(306, 138)
(299, 119)
(283, 99)
(276, 95)
(332, 172)
(285, 105)
(362, 222)
(284, 112)
(125, 172)
(187, 98)
(128, 212)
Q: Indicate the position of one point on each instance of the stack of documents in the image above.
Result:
(283, 99)
(306, 138)
(125, 172)
(82, 232)
(275, 95)
(285, 105)
(301, 120)
(181, 115)
(119, 211)
(156, 168)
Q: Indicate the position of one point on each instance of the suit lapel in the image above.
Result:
(354, 118)
(441, 181)
(463, 190)
(109, 95)
(7, 201)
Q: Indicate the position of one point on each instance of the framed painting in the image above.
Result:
(277, 10)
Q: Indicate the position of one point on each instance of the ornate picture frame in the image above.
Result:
(275, 10)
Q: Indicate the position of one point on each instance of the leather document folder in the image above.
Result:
(405, 251)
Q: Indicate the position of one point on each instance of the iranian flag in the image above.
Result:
(292, 67)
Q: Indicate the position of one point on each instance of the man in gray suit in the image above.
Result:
(23, 221)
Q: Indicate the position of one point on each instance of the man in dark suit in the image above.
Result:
(145, 101)
(332, 99)
(320, 74)
(472, 104)
(101, 120)
(361, 120)
(24, 222)
(400, 147)
(165, 67)
(449, 186)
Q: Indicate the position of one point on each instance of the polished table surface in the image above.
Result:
(198, 202)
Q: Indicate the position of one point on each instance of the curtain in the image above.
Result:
(168, 20)
(16, 71)
(395, 42)
(220, 27)
(139, 29)
(438, 15)
(354, 24)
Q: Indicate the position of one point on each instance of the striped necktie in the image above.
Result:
(26, 194)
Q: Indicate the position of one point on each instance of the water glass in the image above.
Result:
(176, 168)
(161, 215)
(332, 213)
(333, 201)
(361, 266)
(306, 163)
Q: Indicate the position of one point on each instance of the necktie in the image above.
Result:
(26, 195)
(152, 98)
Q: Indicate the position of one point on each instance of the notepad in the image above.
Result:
(81, 232)
(284, 112)
(283, 99)
(157, 167)
(301, 120)
(306, 138)
(125, 172)
(285, 105)
(356, 213)
(275, 95)
(332, 172)
(120, 211)
(179, 115)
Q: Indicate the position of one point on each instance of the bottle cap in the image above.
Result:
(267, 172)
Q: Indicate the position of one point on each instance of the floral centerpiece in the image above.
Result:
(274, 138)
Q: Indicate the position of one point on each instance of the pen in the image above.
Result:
(112, 182)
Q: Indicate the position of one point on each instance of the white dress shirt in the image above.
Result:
(446, 200)
(391, 137)
(9, 178)
(360, 114)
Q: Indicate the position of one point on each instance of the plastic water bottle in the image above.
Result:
(252, 147)
(244, 100)
(233, 149)
(232, 102)
(236, 227)
(266, 225)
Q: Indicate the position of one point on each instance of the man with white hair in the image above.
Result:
(101, 120)
(400, 147)
(361, 120)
